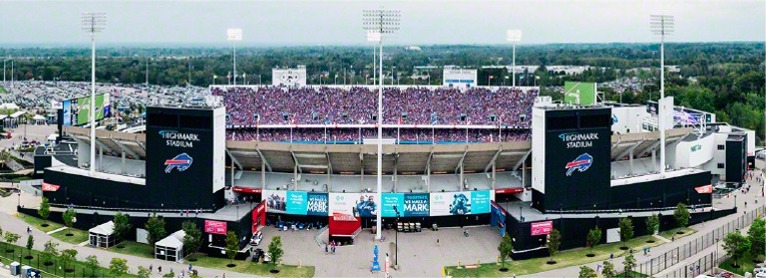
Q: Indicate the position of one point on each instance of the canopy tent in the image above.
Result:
(101, 235)
(170, 248)
(39, 119)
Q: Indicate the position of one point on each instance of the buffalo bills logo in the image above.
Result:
(181, 162)
(581, 163)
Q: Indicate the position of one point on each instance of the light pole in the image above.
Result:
(396, 239)
(234, 35)
(377, 23)
(214, 77)
(93, 23)
(513, 35)
(662, 25)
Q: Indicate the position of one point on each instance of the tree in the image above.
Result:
(587, 272)
(193, 237)
(11, 239)
(69, 217)
(67, 257)
(118, 266)
(232, 245)
(652, 224)
(30, 244)
(275, 249)
(92, 263)
(757, 235)
(736, 245)
(155, 226)
(681, 215)
(626, 230)
(45, 210)
(593, 238)
(122, 226)
(554, 241)
(143, 272)
(608, 270)
(49, 251)
(629, 264)
(505, 248)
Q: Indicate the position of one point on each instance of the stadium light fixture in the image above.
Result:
(378, 23)
(513, 35)
(93, 23)
(661, 25)
(234, 35)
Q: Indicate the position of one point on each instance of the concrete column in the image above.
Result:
(122, 169)
(524, 173)
(494, 181)
(295, 177)
(654, 159)
(328, 177)
(396, 179)
(462, 181)
(232, 171)
(631, 161)
(361, 182)
(263, 174)
(428, 178)
(100, 158)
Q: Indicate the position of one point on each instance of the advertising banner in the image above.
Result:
(389, 201)
(50, 187)
(275, 201)
(480, 202)
(317, 204)
(67, 107)
(416, 204)
(296, 202)
(450, 203)
(541, 228)
(354, 204)
(215, 227)
(705, 189)
(580, 93)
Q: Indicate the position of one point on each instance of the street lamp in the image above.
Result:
(396, 239)
(93, 23)
(234, 35)
(379, 22)
(662, 25)
(513, 35)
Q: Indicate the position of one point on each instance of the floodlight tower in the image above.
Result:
(93, 22)
(377, 23)
(513, 35)
(662, 25)
(234, 35)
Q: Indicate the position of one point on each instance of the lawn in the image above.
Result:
(37, 223)
(633, 274)
(669, 234)
(565, 259)
(255, 268)
(2, 90)
(34, 260)
(745, 263)
(133, 248)
(78, 236)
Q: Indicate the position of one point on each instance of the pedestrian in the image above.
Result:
(437, 241)
(333, 249)
(611, 256)
(325, 249)
(181, 213)
(159, 269)
(182, 273)
(673, 238)
(598, 268)
(190, 267)
(644, 250)
(150, 268)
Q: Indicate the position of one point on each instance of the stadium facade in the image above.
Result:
(584, 166)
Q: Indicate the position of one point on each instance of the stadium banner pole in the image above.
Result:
(92, 111)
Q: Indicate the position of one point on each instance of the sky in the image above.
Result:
(423, 22)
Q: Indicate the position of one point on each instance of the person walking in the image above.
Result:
(150, 268)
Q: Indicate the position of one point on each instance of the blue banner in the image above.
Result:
(317, 204)
(389, 201)
(416, 204)
(480, 202)
(296, 202)
(67, 107)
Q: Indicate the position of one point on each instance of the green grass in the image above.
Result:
(80, 268)
(133, 248)
(633, 274)
(78, 236)
(2, 90)
(745, 264)
(255, 268)
(4, 192)
(38, 223)
(674, 232)
(566, 258)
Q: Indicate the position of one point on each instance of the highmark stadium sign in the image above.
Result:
(173, 138)
(578, 140)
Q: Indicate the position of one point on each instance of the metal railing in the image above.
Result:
(675, 256)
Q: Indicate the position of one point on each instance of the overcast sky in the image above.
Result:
(339, 22)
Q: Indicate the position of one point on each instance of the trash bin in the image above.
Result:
(25, 271)
(15, 268)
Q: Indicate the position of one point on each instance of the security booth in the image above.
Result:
(170, 248)
(101, 235)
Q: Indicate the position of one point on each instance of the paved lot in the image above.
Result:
(33, 132)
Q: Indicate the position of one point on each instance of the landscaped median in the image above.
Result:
(68, 235)
(564, 259)
(42, 225)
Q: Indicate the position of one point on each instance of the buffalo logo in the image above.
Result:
(581, 163)
(181, 162)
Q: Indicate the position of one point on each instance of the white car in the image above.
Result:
(256, 239)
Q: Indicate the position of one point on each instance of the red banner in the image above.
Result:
(509, 190)
(542, 228)
(50, 187)
(705, 189)
(215, 227)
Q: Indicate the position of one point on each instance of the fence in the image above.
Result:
(675, 256)
(696, 268)
(53, 268)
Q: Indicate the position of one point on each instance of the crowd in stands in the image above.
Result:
(356, 135)
(248, 106)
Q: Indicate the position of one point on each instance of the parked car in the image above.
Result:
(256, 239)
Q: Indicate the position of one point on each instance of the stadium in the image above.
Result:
(454, 155)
